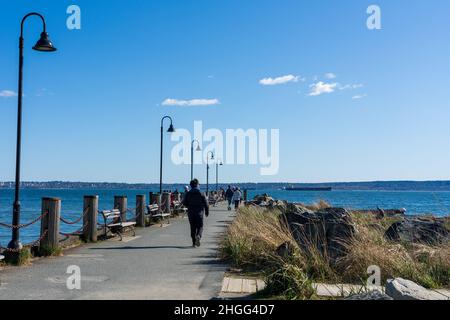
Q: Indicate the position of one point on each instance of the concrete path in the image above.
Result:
(238, 287)
(159, 263)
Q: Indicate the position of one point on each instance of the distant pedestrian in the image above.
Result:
(229, 196)
(185, 192)
(197, 206)
(237, 198)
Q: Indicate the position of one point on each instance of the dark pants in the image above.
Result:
(236, 204)
(196, 222)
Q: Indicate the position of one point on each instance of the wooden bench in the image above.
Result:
(155, 212)
(213, 200)
(178, 207)
(117, 225)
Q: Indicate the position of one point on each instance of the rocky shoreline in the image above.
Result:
(328, 231)
(428, 230)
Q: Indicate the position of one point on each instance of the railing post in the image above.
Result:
(140, 210)
(245, 195)
(120, 202)
(155, 199)
(166, 202)
(90, 211)
(50, 223)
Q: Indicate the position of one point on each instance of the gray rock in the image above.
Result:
(285, 250)
(372, 295)
(278, 205)
(327, 230)
(418, 230)
(401, 289)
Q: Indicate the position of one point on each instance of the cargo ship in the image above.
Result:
(292, 188)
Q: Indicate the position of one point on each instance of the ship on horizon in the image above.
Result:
(293, 188)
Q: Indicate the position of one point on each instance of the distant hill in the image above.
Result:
(375, 186)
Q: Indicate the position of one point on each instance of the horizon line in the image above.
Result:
(212, 183)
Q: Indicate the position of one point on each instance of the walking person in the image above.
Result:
(197, 206)
(185, 192)
(237, 197)
(229, 197)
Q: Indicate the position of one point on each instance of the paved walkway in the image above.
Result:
(157, 264)
(239, 287)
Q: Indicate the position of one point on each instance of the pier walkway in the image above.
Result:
(159, 263)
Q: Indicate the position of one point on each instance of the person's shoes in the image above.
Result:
(197, 242)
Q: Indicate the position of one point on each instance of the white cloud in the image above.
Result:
(190, 103)
(351, 86)
(320, 88)
(280, 80)
(330, 76)
(358, 97)
(44, 92)
(7, 94)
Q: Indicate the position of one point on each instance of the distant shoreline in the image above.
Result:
(441, 186)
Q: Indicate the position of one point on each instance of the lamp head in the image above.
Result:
(171, 129)
(198, 148)
(44, 44)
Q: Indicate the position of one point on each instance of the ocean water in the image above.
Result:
(437, 203)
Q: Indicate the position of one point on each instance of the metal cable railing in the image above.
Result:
(77, 220)
(31, 244)
(24, 225)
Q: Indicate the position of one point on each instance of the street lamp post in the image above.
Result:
(207, 170)
(45, 45)
(192, 156)
(170, 130)
(218, 163)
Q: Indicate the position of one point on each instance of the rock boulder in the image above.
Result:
(401, 289)
(327, 230)
(372, 295)
(418, 230)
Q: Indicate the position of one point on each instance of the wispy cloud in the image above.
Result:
(359, 97)
(351, 86)
(330, 76)
(8, 94)
(280, 80)
(190, 103)
(321, 87)
(44, 92)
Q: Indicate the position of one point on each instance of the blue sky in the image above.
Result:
(92, 110)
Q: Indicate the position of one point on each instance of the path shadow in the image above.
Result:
(144, 248)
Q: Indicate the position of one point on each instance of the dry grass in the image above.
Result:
(426, 265)
(253, 238)
(316, 206)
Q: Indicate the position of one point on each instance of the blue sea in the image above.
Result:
(437, 203)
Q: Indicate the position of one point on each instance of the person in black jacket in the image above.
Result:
(229, 196)
(197, 206)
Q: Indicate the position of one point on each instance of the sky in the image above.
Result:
(350, 103)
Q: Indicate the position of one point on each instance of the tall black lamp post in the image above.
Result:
(207, 170)
(170, 130)
(218, 163)
(45, 45)
(192, 156)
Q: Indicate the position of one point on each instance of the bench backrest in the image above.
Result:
(153, 207)
(111, 214)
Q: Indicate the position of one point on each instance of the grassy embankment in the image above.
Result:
(252, 240)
